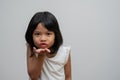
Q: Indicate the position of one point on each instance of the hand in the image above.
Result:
(39, 52)
(34, 65)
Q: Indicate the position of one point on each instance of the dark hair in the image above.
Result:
(50, 22)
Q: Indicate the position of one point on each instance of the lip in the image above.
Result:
(43, 45)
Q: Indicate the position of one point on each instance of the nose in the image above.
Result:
(43, 38)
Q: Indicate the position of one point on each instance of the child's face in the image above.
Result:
(42, 37)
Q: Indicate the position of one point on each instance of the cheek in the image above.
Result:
(51, 43)
(52, 40)
(35, 40)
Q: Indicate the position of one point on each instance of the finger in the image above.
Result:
(38, 50)
(34, 49)
(47, 50)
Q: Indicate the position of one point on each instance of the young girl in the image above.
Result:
(47, 58)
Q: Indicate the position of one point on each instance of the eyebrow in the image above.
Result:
(40, 31)
(36, 31)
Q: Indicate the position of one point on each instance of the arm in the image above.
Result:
(68, 69)
(34, 65)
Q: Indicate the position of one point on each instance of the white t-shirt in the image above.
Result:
(53, 68)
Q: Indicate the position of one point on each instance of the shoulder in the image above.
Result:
(64, 47)
(65, 51)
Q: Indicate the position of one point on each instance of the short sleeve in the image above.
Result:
(67, 52)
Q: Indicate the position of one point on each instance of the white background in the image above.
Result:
(91, 27)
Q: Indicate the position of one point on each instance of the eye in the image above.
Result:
(48, 33)
(37, 33)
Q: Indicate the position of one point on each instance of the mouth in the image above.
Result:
(43, 45)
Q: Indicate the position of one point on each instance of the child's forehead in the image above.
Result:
(40, 27)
